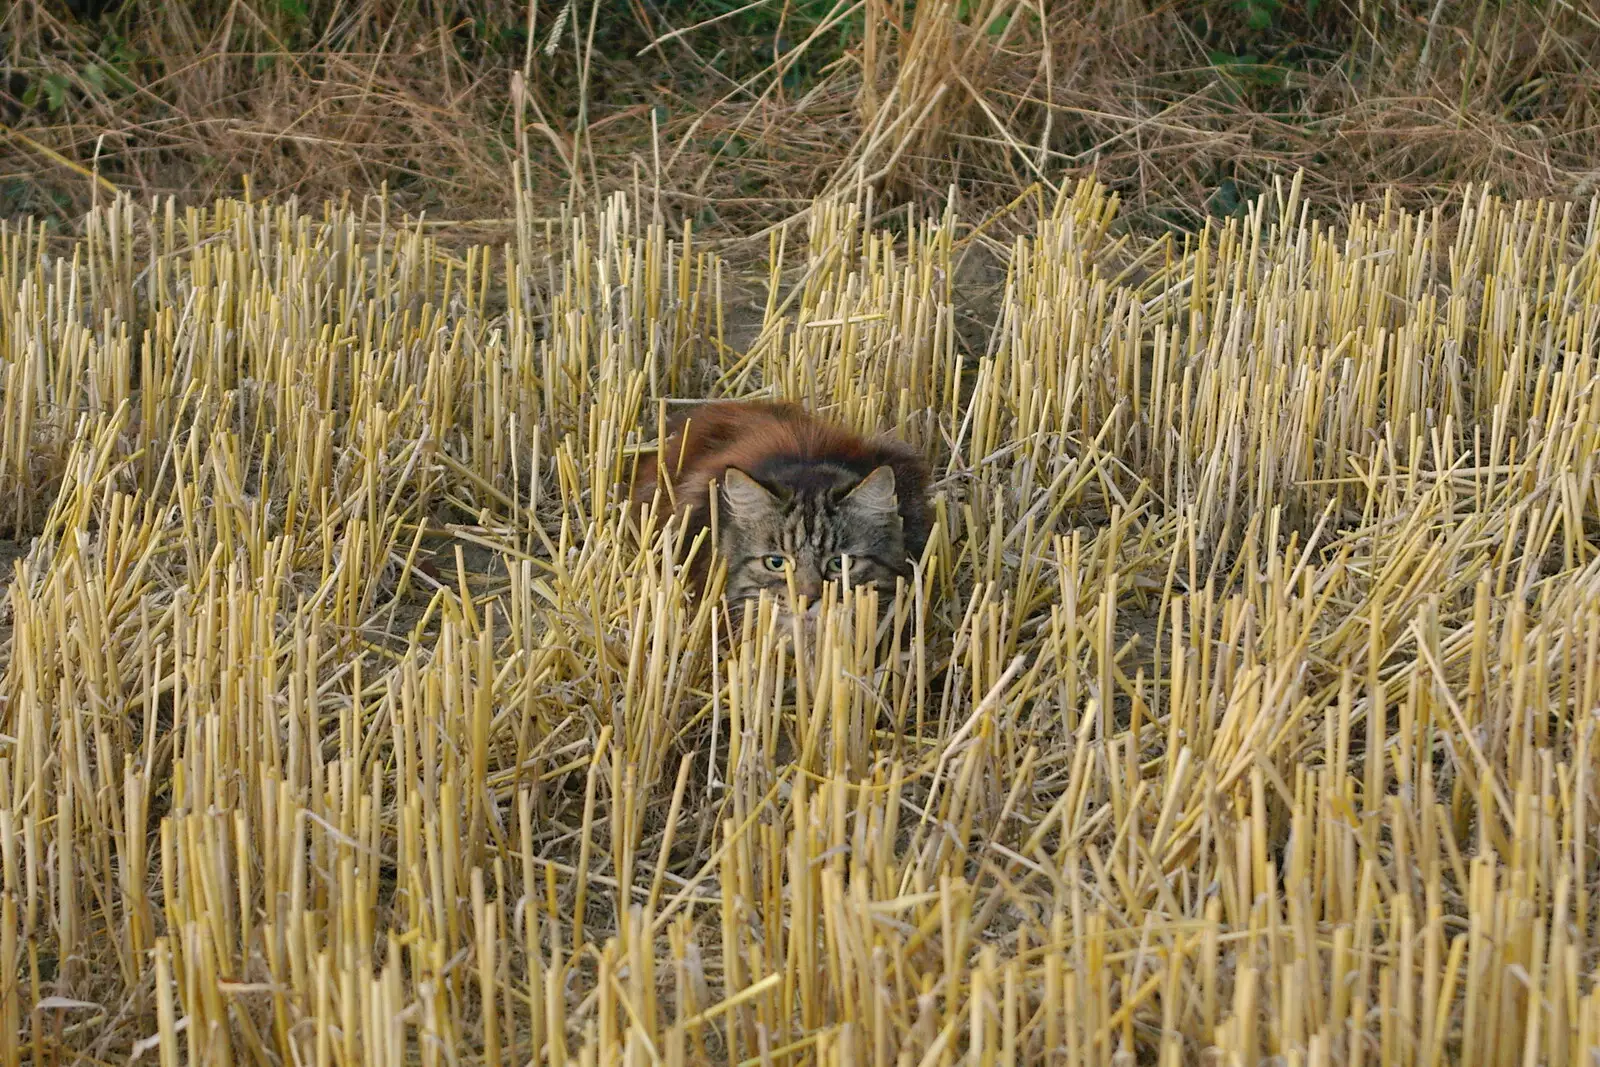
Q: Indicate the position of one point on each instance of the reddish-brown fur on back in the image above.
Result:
(701, 444)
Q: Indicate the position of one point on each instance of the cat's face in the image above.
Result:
(817, 523)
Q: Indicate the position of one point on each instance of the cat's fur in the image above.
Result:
(791, 485)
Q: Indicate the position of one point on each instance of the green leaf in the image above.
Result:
(55, 91)
(1233, 63)
(1226, 200)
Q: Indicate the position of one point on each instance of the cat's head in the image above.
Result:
(815, 523)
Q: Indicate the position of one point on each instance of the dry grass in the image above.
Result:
(1245, 707)
(429, 103)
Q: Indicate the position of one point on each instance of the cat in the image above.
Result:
(797, 498)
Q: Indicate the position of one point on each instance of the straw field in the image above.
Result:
(1243, 709)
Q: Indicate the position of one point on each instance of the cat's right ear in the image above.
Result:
(745, 496)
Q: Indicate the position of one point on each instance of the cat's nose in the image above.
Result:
(809, 585)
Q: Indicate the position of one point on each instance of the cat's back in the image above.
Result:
(709, 438)
(752, 434)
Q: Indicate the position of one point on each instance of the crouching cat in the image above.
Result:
(798, 500)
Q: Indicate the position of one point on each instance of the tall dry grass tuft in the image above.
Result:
(1242, 706)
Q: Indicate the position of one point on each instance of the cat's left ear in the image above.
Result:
(875, 493)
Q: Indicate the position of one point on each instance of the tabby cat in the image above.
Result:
(798, 499)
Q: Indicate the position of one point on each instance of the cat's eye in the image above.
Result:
(835, 566)
(774, 562)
